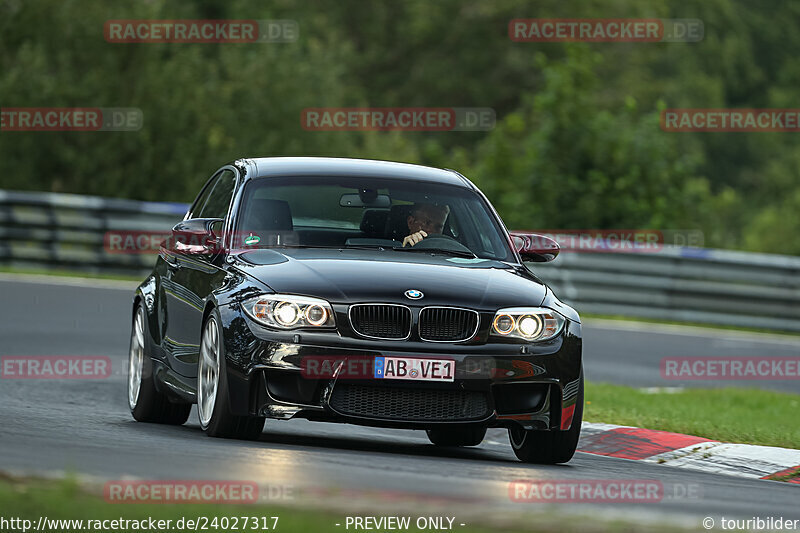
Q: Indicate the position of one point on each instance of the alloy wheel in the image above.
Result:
(208, 373)
(136, 359)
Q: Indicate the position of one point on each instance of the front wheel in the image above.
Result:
(145, 402)
(213, 406)
(549, 447)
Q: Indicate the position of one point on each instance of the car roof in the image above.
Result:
(266, 167)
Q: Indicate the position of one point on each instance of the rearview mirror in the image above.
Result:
(365, 198)
(534, 247)
(198, 236)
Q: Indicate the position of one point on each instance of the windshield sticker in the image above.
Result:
(251, 240)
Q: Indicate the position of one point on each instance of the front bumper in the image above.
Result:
(497, 384)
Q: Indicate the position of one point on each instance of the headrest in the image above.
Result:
(267, 215)
(373, 224)
(397, 222)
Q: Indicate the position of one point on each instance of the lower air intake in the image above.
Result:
(424, 405)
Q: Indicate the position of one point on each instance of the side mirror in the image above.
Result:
(534, 247)
(198, 236)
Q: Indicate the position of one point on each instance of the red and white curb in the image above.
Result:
(687, 451)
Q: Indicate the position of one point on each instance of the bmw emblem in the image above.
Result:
(414, 294)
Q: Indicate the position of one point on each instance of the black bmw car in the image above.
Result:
(355, 291)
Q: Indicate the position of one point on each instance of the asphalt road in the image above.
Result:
(85, 427)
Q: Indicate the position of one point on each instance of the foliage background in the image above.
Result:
(577, 143)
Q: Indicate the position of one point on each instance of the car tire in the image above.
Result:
(457, 436)
(549, 447)
(144, 400)
(213, 404)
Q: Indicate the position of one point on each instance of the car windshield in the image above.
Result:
(377, 213)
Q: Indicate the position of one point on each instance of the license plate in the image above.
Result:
(414, 369)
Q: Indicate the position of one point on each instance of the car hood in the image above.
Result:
(351, 276)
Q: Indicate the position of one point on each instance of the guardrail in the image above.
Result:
(684, 284)
(720, 287)
(67, 231)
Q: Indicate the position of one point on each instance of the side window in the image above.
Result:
(198, 204)
(216, 206)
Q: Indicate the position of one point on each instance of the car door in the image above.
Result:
(192, 277)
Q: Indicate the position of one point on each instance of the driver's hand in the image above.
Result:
(414, 238)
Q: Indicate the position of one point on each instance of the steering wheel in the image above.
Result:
(442, 242)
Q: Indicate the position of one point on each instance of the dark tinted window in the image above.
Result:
(201, 200)
(216, 206)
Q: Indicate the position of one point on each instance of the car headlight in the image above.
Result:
(527, 323)
(287, 311)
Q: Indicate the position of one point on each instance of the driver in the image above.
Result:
(425, 219)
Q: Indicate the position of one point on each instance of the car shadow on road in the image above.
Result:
(361, 444)
(381, 445)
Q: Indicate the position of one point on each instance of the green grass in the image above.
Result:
(747, 416)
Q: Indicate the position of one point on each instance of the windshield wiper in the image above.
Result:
(454, 253)
(365, 247)
(271, 246)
